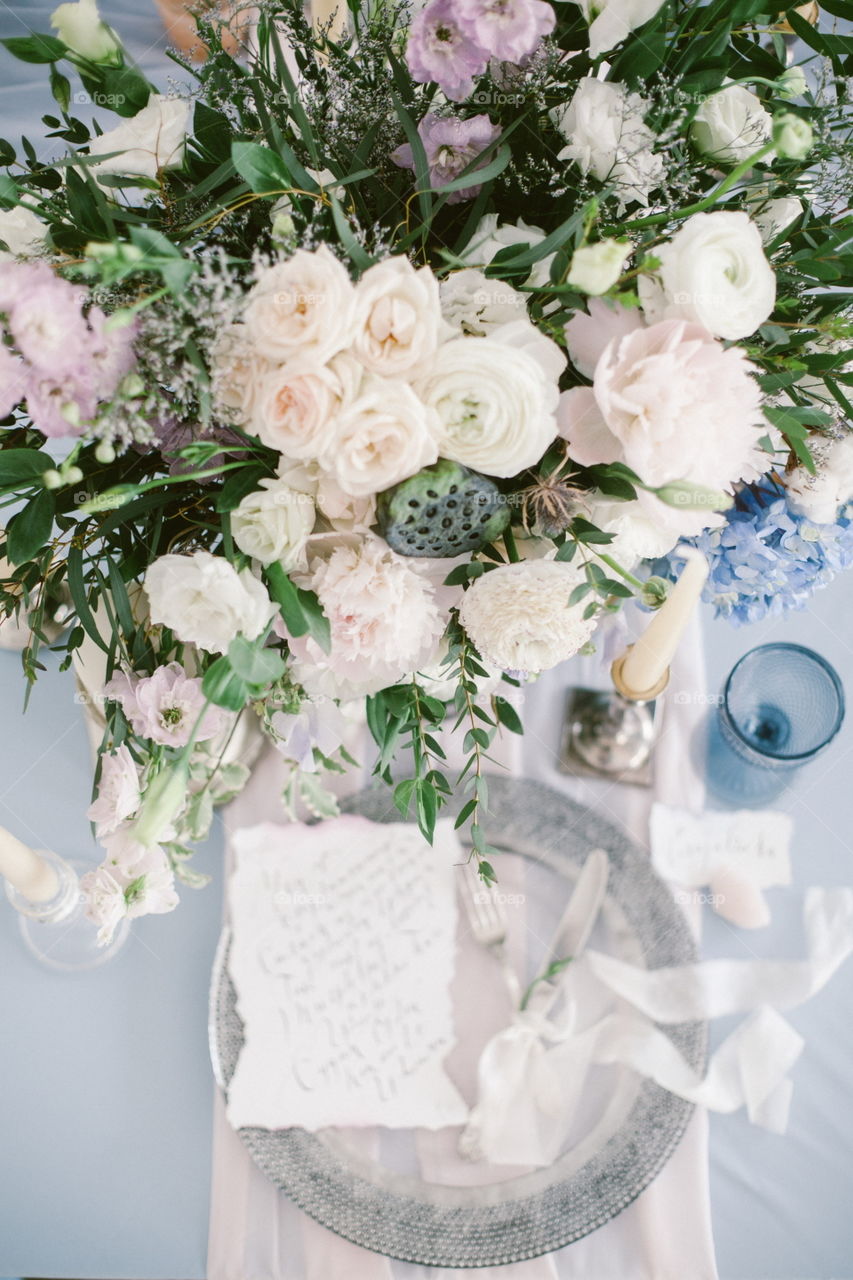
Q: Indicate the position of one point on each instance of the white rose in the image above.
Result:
(294, 413)
(595, 268)
(153, 139)
(672, 404)
(519, 618)
(731, 125)
(819, 496)
(712, 271)
(607, 136)
(302, 310)
(81, 28)
(383, 436)
(495, 399)
(491, 236)
(22, 232)
(397, 318)
(238, 373)
(777, 215)
(612, 20)
(476, 305)
(205, 601)
(273, 524)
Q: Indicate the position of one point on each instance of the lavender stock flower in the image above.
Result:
(450, 145)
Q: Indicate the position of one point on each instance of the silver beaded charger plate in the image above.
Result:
(636, 1127)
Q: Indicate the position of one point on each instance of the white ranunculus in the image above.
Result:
(496, 398)
(81, 28)
(731, 125)
(519, 618)
(154, 139)
(22, 231)
(397, 319)
(774, 216)
(819, 496)
(607, 136)
(295, 412)
(610, 21)
(713, 271)
(205, 601)
(491, 236)
(672, 404)
(476, 305)
(273, 523)
(384, 435)
(302, 310)
(595, 268)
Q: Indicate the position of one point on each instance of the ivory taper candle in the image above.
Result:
(27, 871)
(647, 661)
(335, 11)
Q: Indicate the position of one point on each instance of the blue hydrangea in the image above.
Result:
(766, 559)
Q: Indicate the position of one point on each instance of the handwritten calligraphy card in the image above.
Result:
(342, 956)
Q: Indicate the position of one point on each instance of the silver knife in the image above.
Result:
(575, 927)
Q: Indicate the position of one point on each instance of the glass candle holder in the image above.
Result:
(781, 707)
(57, 932)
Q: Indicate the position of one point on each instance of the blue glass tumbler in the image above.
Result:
(781, 707)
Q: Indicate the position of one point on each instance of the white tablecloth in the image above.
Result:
(257, 1234)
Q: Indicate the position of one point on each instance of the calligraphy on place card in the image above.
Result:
(342, 956)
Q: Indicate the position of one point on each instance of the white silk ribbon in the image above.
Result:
(532, 1073)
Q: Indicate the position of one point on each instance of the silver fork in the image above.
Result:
(488, 920)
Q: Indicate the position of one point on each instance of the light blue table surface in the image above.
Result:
(105, 1104)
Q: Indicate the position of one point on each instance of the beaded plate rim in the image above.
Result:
(516, 1227)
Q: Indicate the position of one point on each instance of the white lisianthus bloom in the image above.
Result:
(383, 617)
(610, 21)
(82, 30)
(22, 232)
(476, 305)
(776, 215)
(205, 601)
(819, 496)
(731, 125)
(295, 412)
(397, 319)
(384, 435)
(793, 136)
(116, 890)
(519, 617)
(496, 398)
(673, 404)
(103, 894)
(302, 310)
(154, 139)
(607, 136)
(273, 523)
(595, 268)
(713, 271)
(238, 374)
(118, 792)
(491, 236)
(792, 83)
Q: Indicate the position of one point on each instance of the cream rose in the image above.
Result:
(302, 310)
(477, 305)
(397, 319)
(153, 139)
(238, 374)
(495, 398)
(607, 136)
(731, 125)
(205, 601)
(713, 271)
(673, 404)
(273, 524)
(294, 412)
(383, 436)
(519, 617)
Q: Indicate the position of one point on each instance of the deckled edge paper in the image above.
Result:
(342, 956)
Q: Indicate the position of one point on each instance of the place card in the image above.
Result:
(342, 955)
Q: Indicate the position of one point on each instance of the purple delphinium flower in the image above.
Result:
(766, 559)
(165, 706)
(450, 145)
(439, 49)
(508, 30)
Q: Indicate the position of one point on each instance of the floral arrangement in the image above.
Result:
(380, 360)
